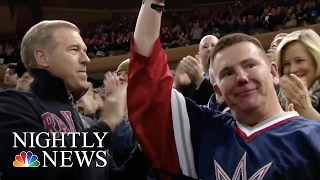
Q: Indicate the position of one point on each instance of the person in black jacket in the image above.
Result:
(192, 74)
(55, 55)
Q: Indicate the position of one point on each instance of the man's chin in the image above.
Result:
(248, 107)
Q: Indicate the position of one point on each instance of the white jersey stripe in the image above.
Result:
(181, 128)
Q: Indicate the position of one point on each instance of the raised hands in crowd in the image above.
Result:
(189, 70)
(192, 66)
(181, 78)
(297, 96)
(115, 100)
(90, 102)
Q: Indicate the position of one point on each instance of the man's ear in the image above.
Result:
(275, 74)
(40, 56)
(217, 89)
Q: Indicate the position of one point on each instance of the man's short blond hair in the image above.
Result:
(41, 36)
(232, 39)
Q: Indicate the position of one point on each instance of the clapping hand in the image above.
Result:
(88, 102)
(115, 101)
(181, 78)
(192, 66)
(296, 93)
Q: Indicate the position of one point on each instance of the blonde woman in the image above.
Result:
(298, 59)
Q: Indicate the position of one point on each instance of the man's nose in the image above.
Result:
(85, 59)
(242, 77)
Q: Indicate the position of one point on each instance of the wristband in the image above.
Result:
(157, 7)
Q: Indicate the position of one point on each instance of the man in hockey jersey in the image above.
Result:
(260, 141)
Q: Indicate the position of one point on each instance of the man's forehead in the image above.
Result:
(70, 38)
(235, 54)
(208, 40)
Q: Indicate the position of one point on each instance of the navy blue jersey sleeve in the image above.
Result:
(201, 118)
(189, 120)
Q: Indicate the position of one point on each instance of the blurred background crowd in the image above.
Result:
(185, 26)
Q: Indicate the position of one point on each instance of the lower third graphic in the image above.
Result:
(26, 159)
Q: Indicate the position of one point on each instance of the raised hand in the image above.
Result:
(87, 103)
(115, 101)
(181, 78)
(192, 66)
(98, 100)
(296, 93)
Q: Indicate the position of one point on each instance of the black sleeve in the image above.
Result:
(137, 167)
(203, 94)
(18, 114)
(189, 91)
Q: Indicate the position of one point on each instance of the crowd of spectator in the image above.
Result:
(181, 28)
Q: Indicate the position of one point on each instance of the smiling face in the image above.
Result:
(297, 59)
(245, 78)
(68, 60)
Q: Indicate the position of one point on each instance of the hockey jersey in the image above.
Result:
(181, 137)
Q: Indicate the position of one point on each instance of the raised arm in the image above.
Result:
(147, 28)
(149, 93)
(157, 113)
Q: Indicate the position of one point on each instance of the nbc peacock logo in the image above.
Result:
(26, 159)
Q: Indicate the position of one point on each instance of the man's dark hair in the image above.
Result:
(232, 39)
(20, 69)
(12, 65)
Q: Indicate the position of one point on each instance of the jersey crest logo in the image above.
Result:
(241, 172)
